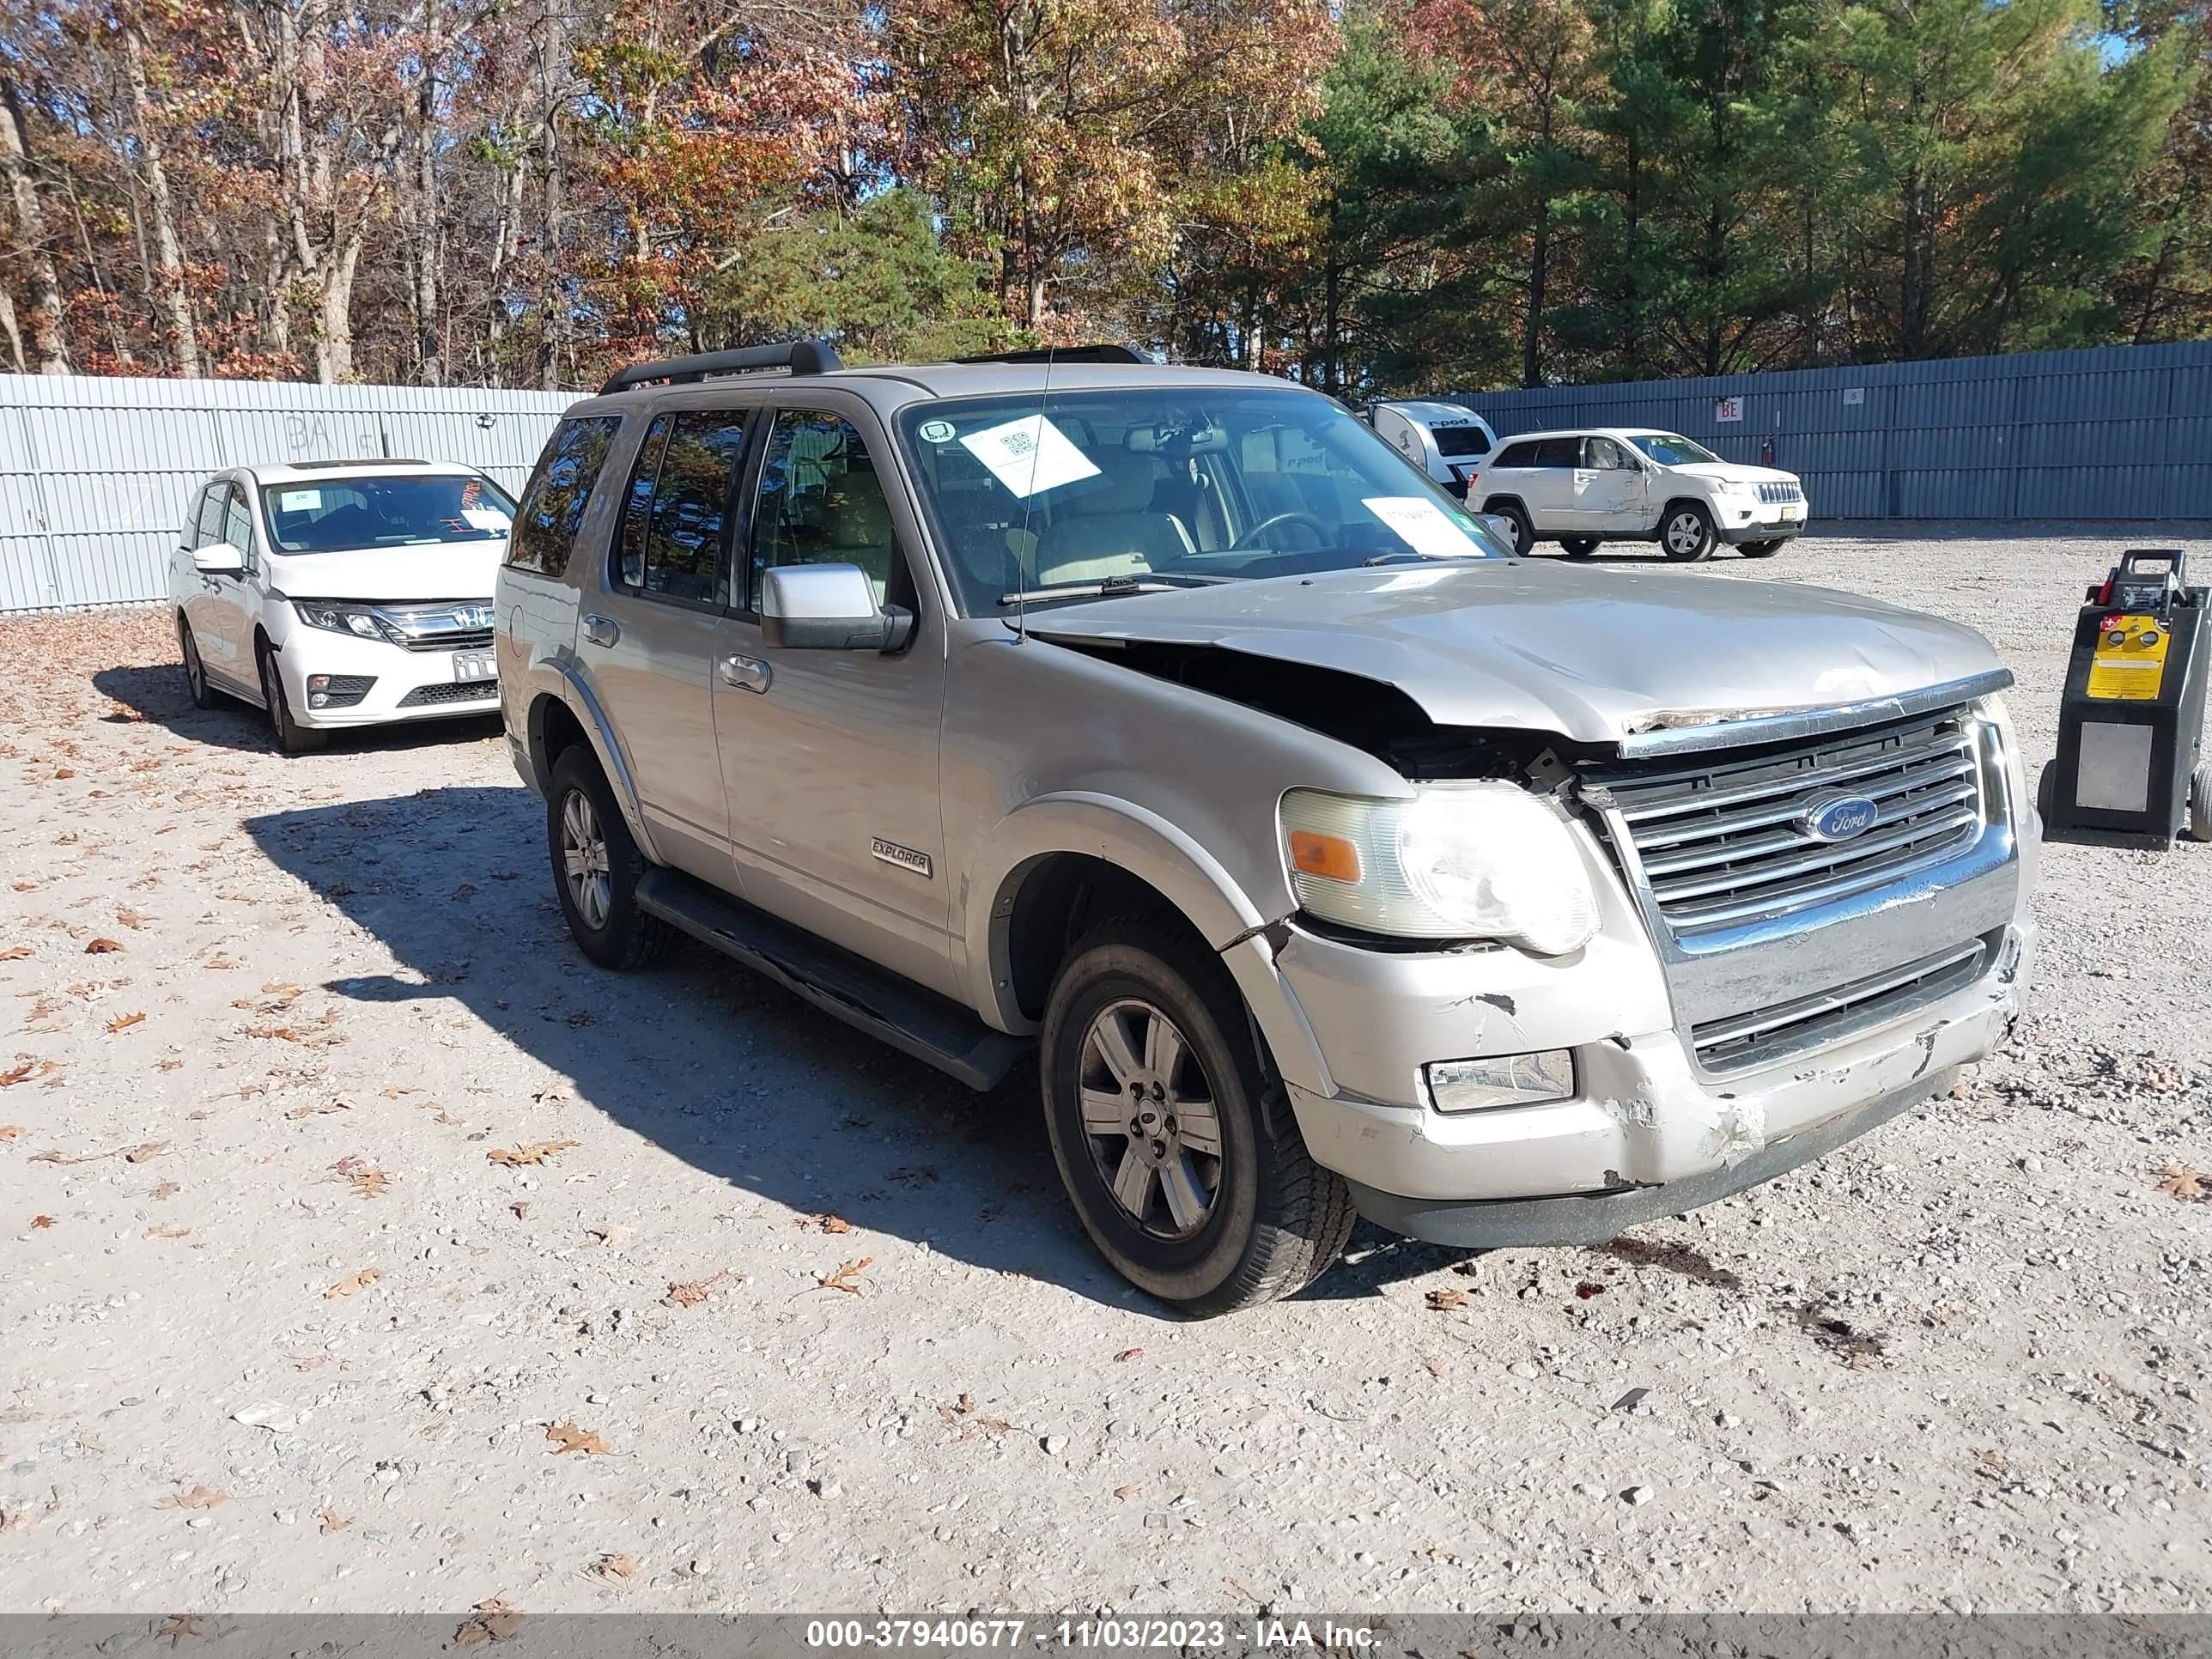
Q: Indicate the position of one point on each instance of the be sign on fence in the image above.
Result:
(1727, 409)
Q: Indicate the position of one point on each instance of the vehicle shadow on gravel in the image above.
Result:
(708, 1060)
(157, 694)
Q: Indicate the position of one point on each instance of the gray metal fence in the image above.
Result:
(2115, 432)
(94, 471)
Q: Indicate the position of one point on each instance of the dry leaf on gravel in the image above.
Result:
(166, 1189)
(199, 1498)
(14, 953)
(102, 947)
(124, 1022)
(366, 1180)
(616, 1567)
(9, 1131)
(322, 1109)
(16, 1074)
(333, 1521)
(1125, 1493)
(491, 1621)
(567, 1437)
(2185, 1183)
(277, 1033)
(919, 1176)
(352, 1282)
(613, 1236)
(166, 1233)
(42, 1222)
(846, 1278)
(1445, 1301)
(1129, 1354)
(131, 919)
(825, 1222)
(536, 1152)
(151, 1149)
(691, 1294)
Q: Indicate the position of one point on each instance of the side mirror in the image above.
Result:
(218, 559)
(828, 607)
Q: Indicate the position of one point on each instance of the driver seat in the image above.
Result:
(1114, 530)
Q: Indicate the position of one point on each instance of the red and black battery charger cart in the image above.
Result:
(2131, 764)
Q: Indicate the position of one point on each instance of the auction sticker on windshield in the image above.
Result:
(1029, 455)
(1424, 527)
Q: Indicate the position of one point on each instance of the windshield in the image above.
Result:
(1157, 486)
(1668, 450)
(340, 515)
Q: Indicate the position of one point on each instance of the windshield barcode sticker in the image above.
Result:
(1424, 527)
(1030, 456)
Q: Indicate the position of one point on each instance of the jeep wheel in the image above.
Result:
(1759, 550)
(292, 737)
(1686, 534)
(1155, 1102)
(596, 867)
(1523, 537)
(203, 695)
(1579, 547)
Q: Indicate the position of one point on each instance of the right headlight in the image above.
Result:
(358, 620)
(1458, 860)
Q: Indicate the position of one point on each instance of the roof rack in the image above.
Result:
(799, 356)
(1078, 353)
(358, 460)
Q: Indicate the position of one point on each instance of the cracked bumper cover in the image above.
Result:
(1648, 1133)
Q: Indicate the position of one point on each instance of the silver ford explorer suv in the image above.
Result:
(1330, 859)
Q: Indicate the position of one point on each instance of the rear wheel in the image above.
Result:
(1579, 547)
(1759, 550)
(292, 737)
(2200, 803)
(1156, 1104)
(597, 867)
(203, 695)
(1524, 537)
(1686, 535)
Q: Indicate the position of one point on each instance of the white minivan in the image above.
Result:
(342, 594)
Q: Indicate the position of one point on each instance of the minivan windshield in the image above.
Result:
(1668, 450)
(354, 511)
(1095, 492)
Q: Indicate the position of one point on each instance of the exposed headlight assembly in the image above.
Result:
(1458, 860)
(359, 620)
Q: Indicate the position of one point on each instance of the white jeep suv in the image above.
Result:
(343, 593)
(1621, 485)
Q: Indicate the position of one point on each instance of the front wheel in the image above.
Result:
(2199, 827)
(1156, 1103)
(597, 867)
(1759, 550)
(292, 737)
(1578, 547)
(1686, 534)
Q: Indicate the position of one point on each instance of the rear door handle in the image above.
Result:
(601, 630)
(745, 673)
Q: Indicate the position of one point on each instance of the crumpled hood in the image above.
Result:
(1593, 654)
(445, 570)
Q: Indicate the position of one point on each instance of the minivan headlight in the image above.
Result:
(359, 620)
(1458, 860)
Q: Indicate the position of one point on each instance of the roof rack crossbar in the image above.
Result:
(1100, 352)
(799, 356)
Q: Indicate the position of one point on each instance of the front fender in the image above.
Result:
(560, 678)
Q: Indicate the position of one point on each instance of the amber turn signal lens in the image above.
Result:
(1324, 855)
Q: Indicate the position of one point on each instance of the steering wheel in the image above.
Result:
(1322, 535)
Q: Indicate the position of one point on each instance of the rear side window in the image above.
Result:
(559, 491)
(1558, 452)
(681, 511)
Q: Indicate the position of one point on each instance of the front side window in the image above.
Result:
(1668, 450)
(822, 502)
(684, 533)
(1122, 491)
(351, 512)
(559, 491)
(1603, 455)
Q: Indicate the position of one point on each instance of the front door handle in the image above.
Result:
(601, 630)
(745, 673)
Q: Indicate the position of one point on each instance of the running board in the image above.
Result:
(893, 1010)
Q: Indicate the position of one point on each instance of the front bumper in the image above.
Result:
(1737, 525)
(407, 685)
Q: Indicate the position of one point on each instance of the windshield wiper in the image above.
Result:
(1111, 588)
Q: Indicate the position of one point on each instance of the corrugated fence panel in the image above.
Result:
(2109, 432)
(96, 472)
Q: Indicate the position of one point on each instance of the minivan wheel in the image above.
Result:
(596, 867)
(1578, 547)
(1687, 535)
(292, 737)
(203, 695)
(1153, 1096)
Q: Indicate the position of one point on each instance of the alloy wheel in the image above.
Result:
(1150, 1117)
(584, 861)
(1685, 533)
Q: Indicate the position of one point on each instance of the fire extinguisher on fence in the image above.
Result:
(1767, 450)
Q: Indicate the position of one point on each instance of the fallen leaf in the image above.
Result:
(124, 1023)
(2185, 1183)
(42, 1222)
(166, 1233)
(1445, 1300)
(352, 1282)
(14, 953)
(614, 1236)
(537, 1152)
(1127, 1492)
(140, 1154)
(567, 1437)
(102, 947)
(166, 1189)
(180, 1626)
(1587, 1289)
(692, 1294)
(199, 1498)
(616, 1567)
(491, 1621)
(521, 1208)
(16, 1074)
(323, 1110)
(846, 1278)
(277, 1033)
(823, 1222)
(367, 1181)
(919, 1174)
(130, 919)
(1130, 1353)
(331, 1520)
(9, 1131)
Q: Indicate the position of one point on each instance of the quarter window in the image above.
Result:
(559, 491)
(822, 502)
(1519, 455)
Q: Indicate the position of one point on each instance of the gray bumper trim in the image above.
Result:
(1592, 1218)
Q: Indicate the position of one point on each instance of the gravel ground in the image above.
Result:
(361, 1248)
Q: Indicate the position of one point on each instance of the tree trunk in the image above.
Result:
(334, 348)
(1532, 335)
(10, 327)
(176, 296)
(429, 220)
(49, 345)
(1332, 373)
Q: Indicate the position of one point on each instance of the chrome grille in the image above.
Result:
(1746, 1040)
(441, 624)
(1780, 492)
(1728, 843)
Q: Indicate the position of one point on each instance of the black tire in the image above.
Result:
(1524, 537)
(1578, 547)
(1686, 532)
(2199, 827)
(203, 695)
(292, 737)
(1274, 1220)
(2046, 793)
(1759, 550)
(619, 935)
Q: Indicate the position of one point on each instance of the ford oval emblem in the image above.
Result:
(1838, 818)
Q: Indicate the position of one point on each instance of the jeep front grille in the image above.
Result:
(1726, 842)
(1780, 492)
